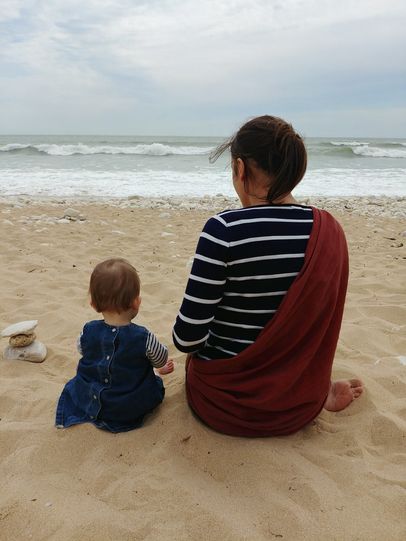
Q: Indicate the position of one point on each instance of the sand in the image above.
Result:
(341, 478)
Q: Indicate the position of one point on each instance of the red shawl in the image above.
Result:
(280, 383)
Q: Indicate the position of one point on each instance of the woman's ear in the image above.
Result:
(239, 169)
(240, 179)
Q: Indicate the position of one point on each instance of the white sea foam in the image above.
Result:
(13, 146)
(333, 181)
(198, 183)
(376, 152)
(91, 183)
(347, 143)
(364, 149)
(152, 149)
(120, 166)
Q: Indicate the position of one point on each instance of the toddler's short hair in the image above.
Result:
(114, 284)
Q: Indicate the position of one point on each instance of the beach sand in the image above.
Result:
(341, 478)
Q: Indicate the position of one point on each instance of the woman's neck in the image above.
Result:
(250, 200)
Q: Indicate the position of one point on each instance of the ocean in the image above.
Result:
(123, 166)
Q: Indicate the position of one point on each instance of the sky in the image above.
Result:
(189, 67)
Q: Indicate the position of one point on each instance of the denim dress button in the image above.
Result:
(108, 357)
(113, 330)
(95, 397)
(106, 380)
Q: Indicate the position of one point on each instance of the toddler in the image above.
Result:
(115, 385)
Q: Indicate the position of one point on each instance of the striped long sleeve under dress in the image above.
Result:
(245, 262)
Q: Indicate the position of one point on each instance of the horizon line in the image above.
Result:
(51, 134)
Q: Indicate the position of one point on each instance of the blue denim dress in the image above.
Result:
(115, 385)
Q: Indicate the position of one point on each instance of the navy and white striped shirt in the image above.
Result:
(245, 262)
(156, 352)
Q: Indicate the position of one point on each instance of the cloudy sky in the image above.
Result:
(202, 67)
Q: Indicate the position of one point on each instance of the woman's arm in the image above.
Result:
(204, 289)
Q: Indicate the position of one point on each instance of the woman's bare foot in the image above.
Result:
(167, 368)
(342, 393)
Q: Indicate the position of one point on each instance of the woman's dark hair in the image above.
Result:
(271, 144)
(114, 285)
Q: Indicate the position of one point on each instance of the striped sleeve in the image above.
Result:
(156, 352)
(205, 287)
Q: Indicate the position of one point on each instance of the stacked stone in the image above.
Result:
(23, 343)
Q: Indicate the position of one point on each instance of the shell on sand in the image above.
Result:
(35, 353)
(21, 340)
(22, 327)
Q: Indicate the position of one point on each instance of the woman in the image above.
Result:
(263, 305)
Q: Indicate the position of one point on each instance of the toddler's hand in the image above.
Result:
(167, 368)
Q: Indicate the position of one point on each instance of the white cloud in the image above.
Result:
(109, 56)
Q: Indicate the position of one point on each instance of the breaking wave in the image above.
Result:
(363, 149)
(376, 152)
(346, 143)
(152, 149)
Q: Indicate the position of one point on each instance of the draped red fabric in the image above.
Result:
(279, 384)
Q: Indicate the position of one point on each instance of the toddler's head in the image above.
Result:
(114, 286)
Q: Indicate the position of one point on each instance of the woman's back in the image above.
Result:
(245, 262)
(267, 290)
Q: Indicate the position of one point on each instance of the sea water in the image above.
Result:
(123, 166)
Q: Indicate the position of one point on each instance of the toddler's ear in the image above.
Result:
(94, 308)
(137, 302)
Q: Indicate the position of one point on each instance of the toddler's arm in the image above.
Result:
(157, 354)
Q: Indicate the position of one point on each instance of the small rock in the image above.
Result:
(72, 214)
(23, 327)
(21, 340)
(34, 353)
